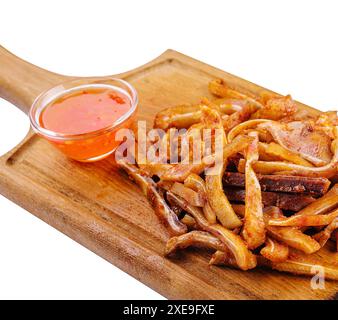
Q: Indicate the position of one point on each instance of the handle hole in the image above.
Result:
(14, 126)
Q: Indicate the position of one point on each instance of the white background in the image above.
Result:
(287, 46)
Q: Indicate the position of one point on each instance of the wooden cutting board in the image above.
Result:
(99, 207)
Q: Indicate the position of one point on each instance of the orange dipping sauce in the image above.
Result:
(85, 111)
(82, 122)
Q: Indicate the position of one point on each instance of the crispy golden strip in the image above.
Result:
(234, 132)
(213, 182)
(199, 239)
(209, 213)
(223, 258)
(275, 183)
(155, 169)
(244, 258)
(238, 117)
(327, 171)
(224, 105)
(323, 236)
(275, 251)
(276, 108)
(264, 136)
(165, 185)
(189, 221)
(161, 208)
(196, 183)
(216, 197)
(211, 118)
(189, 195)
(220, 203)
(283, 168)
(278, 153)
(299, 266)
(220, 89)
(291, 236)
(182, 116)
(300, 221)
(254, 228)
(178, 210)
(263, 155)
(181, 171)
(324, 204)
(151, 168)
(302, 138)
(295, 264)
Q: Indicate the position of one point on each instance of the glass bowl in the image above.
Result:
(91, 146)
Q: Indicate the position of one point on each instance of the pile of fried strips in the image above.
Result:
(272, 202)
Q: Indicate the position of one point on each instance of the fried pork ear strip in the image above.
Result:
(241, 127)
(276, 108)
(249, 105)
(315, 186)
(254, 228)
(182, 116)
(177, 209)
(291, 236)
(155, 169)
(181, 171)
(276, 152)
(324, 204)
(238, 117)
(296, 263)
(214, 187)
(189, 195)
(299, 264)
(283, 168)
(196, 183)
(200, 239)
(271, 151)
(161, 208)
(189, 221)
(323, 236)
(244, 258)
(220, 89)
(302, 138)
(275, 251)
(327, 171)
(213, 181)
(220, 204)
(224, 105)
(223, 258)
(300, 221)
(285, 201)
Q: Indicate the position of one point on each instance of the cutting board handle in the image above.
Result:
(21, 82)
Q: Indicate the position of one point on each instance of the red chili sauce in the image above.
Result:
(84, 112)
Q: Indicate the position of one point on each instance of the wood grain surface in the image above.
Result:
(99, 207)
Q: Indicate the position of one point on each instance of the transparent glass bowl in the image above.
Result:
(91, 146)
